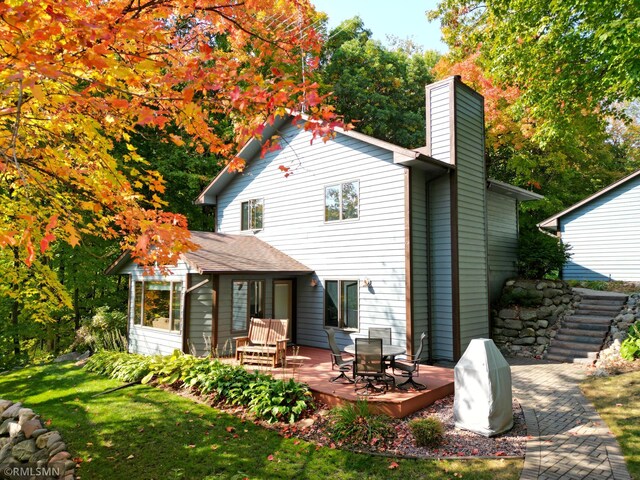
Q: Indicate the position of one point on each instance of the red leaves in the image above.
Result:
(393, 466)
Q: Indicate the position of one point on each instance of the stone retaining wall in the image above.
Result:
(526, 331)
(25, 443)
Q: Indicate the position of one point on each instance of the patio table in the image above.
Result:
(387, 350)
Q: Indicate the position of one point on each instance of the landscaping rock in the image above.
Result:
(513, 324)
(14, 429)
(59, 457)
(524, 341)
(12, 411)
(4, 427)
(23, 450)
(25, 414)
(67, 357)
(57, 447)
(39, 432)
(4, 404)
(5, 452)
(39, 455)
(30, 427)
(43, 439)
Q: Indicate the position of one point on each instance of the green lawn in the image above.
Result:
(617, 400)
(144, 432)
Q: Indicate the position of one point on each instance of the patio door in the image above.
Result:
(283, 303)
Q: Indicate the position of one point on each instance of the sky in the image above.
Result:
(402, 18)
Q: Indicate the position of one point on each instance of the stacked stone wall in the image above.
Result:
(529, 314)
(27, 446)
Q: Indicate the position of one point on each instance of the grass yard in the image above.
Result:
(144, 432)
(617, 400)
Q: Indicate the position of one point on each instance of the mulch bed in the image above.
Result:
(456, 443)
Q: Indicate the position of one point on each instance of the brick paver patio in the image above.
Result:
(569, 440)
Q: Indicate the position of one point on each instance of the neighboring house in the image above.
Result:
(361, 233)
(603, 231)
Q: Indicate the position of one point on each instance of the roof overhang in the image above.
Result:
(220, 253)
(553, 223)
(401, 156)
(512, 191)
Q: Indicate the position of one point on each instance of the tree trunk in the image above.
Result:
(15, 312)
(76, 308)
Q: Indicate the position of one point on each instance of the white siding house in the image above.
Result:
(603, 231)
(359, 233)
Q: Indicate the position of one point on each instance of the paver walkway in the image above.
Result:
(569, 440)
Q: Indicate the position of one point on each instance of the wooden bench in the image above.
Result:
(266, 342)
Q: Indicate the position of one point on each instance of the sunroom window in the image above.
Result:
(158, 304)
(341, 304)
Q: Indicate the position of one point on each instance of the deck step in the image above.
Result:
(602, 301)
(597, 310)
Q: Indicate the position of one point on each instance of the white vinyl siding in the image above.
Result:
(441, 294)
(472, 236)
(148, 340)
(372, 247)
(605, 236)
(502, 241)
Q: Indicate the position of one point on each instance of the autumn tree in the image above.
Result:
(82, 82)
(79, 77)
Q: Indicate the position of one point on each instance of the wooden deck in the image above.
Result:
(313, 367)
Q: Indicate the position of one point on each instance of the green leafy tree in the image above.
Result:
(381, 90)
(569, 59)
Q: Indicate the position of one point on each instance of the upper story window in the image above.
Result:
(342, 202)
(252, 214)
(158, 305)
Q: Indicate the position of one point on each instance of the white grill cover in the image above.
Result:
(482, 401)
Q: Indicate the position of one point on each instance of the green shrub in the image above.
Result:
(427, 431)
(630, 348)
(267, 398)
(106, 330)
(122, 366)
(540, 255)
(354, 422)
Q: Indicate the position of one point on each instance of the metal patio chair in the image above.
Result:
(343, 365)
(410, 368)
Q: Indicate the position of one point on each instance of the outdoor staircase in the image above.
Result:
(582, 334)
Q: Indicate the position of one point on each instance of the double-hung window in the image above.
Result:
(342, 202)
(252, 214)
(341, 304)
(158, 304)
(247, 302)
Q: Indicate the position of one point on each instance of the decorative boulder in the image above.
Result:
(483, 399)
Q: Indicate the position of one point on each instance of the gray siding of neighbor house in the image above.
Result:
(148, 340)
(420, 257)
(372, 247)
(441, 293)
(472, 234)
(605, 236)
(502, 241)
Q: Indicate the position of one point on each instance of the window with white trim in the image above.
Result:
(342, 202)
(341, 304)
(158, 304)
(252, 214)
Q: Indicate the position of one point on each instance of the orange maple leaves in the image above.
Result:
(78, 78)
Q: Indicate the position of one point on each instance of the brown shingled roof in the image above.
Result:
(222, 253)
